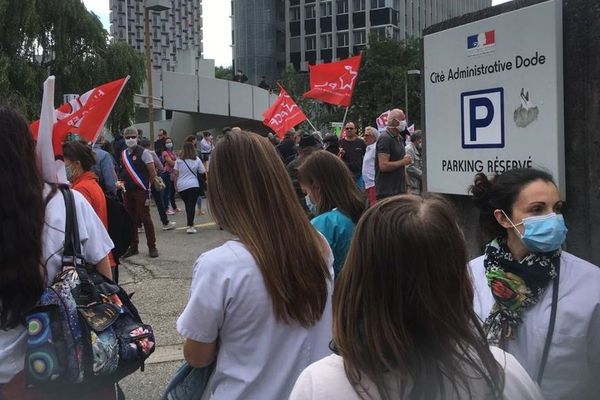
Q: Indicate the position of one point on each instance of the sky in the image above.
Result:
(217, 26)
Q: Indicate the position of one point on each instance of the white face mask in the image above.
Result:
(402, 126)
(131, 142)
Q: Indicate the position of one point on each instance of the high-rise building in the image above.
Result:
(318, 31)
(258, 38)
(177, 29)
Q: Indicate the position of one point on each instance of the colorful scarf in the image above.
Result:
(515, 285)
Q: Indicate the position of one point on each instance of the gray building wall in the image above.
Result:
(258, 37)
(179, 28)
(328, 30)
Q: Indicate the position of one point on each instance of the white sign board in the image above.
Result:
(494, 97)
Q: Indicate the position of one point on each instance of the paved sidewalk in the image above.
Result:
(161, 287)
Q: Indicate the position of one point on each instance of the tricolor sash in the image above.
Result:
(135, 176)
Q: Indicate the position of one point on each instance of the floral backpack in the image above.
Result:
(84, 330)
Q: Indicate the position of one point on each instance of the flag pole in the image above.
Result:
(345, 116)
(310, 123)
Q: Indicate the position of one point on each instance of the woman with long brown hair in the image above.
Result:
(334, 199)
(404, 326)
(33, 218)
(261, 303)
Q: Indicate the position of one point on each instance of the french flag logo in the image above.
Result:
(481, 40)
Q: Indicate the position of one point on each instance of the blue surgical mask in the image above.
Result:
(542, 234)
(70, 173)
(312, 207)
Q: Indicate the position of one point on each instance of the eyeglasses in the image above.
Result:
(349, 129)
(130, 137)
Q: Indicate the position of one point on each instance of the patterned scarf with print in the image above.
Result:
(515, 285)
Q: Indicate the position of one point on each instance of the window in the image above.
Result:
(294, 13)
(360, 37)
(310, 11)
(326, 41)
(378, 3)
(359, 5)
(379, 33)
(342, 39)
(311, 43)
(294, 45)
(326, 8)
(342, 6)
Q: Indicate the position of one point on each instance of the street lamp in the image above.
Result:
(151, 5)
(409, 72)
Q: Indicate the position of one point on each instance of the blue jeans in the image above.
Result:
(168, 194)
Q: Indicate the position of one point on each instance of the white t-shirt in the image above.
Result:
(258, 357)
(95, 245)
(188, 179)
(573, 367)
(326, 380)
(368, 168)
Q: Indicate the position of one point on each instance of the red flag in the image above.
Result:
(85, 115)
(284, 114)
(333, 83)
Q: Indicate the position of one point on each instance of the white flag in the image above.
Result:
(51, 168)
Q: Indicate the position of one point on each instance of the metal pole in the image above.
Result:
(345, 116)
(149, 78)
(406, 95)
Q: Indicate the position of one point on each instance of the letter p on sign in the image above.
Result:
(482, 118)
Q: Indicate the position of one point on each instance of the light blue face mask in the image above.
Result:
(542, 234)
(312, 207)
(69, 172)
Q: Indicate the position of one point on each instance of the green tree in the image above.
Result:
(381, 80)
(61, 38)
(224, 73)
(121, 60)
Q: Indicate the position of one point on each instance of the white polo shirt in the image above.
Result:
(258, 357)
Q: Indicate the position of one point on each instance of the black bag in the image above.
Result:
(119, 225)
(84, 330)
(201, 180)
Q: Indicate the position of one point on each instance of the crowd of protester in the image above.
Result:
(353, 284)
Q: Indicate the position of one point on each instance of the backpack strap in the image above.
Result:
(72, 247)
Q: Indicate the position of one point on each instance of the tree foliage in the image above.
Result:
(381, 81)
(224, 73)
(380, 85)
(61, 38)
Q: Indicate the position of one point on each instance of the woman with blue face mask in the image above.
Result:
(334, 200)
(535, 300)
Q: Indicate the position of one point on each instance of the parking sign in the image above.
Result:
(482, 114)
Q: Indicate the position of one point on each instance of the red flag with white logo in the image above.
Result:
(382, 121)
(85, 115)
(334, 82)
(284, 114)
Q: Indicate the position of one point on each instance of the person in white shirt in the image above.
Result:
(31, 242)
(187, 171)
(259, 304)
(368, 168)
(538, 302)
(404, 325)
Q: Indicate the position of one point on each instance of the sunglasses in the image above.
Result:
(349, 129)
(130, 137)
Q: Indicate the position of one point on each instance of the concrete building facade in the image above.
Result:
(258, 38)
(177, 30)
(328, 30)
(267, 35)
